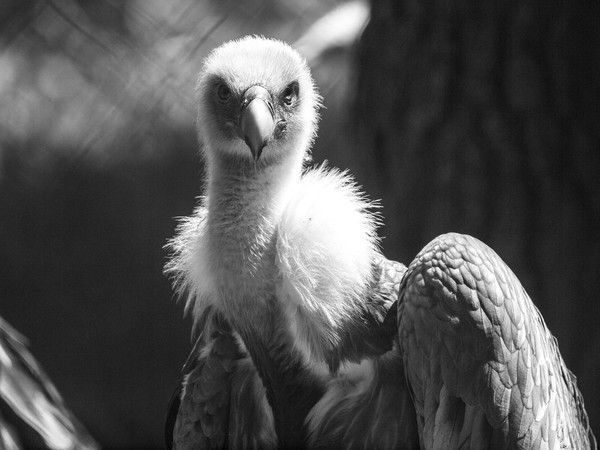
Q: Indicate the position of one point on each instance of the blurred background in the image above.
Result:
(480, 117)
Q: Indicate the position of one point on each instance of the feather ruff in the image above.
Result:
(325, 242)
(188, 265)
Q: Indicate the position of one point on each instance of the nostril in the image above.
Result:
(280, 128)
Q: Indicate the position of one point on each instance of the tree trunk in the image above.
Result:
(482, 117)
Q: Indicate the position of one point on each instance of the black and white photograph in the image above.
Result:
(335, 224)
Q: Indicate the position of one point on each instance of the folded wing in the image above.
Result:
(223, 401)
(483, 368)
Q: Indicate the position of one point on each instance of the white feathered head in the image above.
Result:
(256, 102)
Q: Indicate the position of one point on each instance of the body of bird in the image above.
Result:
(290, 297)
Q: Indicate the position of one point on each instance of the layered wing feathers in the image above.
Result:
(223, 402)
(482, 365)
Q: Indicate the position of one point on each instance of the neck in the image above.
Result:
(245, 204)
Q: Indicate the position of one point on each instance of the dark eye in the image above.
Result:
(223, 92)
(290, 93)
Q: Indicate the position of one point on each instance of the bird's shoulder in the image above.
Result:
(325, 244)
(327, 233)
(329, 205)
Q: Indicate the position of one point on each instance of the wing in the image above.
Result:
(368, 405)
(34, 412)
(223, 402)
(251, 424)
(484, 370)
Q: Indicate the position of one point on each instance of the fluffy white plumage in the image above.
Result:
(189, 265)
(325, 242)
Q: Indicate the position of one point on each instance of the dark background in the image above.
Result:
(477, 117)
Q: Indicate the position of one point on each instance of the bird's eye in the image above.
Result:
(223, 92)
(290, 93)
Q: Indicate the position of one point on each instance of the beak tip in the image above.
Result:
(255, 148)
(256, 122)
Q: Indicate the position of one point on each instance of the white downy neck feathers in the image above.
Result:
(265, 233)
(320, 246)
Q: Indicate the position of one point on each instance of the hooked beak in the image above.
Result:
(256, 120)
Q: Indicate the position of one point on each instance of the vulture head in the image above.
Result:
(257, 103)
